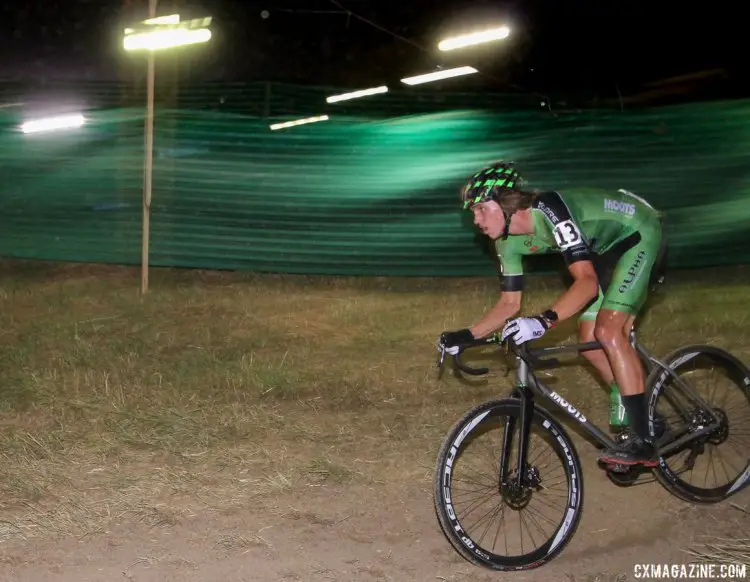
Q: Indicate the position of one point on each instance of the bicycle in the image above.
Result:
(519, 482)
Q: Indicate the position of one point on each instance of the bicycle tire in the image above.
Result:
(449, 524)
(655, 384)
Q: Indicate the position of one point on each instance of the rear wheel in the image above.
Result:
(716, 465)
(472, 505)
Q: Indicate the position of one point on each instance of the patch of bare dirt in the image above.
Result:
(358, 533)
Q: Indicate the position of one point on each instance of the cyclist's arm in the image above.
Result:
(510, 272)
(507, 306)
(584, 288)
(577, 256)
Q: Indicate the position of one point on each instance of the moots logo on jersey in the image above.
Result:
(634, 272)
(619, 206)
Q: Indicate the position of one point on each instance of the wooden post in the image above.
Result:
(149, 161)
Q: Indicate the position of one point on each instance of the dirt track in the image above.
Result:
(374, 533)
(181, 479)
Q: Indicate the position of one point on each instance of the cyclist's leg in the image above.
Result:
(604, 266)
(597, 358)
(618, 418)
(621, 303)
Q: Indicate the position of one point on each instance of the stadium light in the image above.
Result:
(296, 122)
(155, 34)
(357, 94)
(474, 38)
(171, 19)
(439, 75)
(164, 39)
(53, 123)
(166, 32)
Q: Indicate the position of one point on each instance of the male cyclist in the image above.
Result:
(609, 241)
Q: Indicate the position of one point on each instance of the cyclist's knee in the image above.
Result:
(586, 330)
(610, 331)
(585, 335)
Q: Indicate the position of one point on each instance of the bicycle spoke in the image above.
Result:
(517, 519)
(708, 385)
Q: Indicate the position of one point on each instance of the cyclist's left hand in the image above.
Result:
(451, 341)
(523, 329)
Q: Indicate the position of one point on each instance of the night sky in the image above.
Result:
(556, 45)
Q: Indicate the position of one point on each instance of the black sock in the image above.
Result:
(637, 408)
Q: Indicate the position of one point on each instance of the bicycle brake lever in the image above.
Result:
(441, 359)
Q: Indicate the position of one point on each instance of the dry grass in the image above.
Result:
(730, 546)
(219, 388)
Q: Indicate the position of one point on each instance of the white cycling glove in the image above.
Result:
(523, 329)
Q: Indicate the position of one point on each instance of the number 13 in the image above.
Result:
(567, 234)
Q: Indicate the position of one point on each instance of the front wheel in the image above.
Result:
(712, 383)
(473, 505)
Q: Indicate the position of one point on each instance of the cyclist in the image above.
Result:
(609, 241)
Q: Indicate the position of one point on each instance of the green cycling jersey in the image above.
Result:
(588, 225)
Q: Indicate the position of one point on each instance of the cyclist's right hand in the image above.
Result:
(452, 341)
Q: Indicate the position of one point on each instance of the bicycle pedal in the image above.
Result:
(615, 467)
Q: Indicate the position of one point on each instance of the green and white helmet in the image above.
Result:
(491, 183)
(500, 182)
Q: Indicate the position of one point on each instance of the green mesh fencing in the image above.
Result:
(372, 191)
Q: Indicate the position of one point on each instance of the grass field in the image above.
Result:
(220, 389)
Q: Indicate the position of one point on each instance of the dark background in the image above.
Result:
(584, 50)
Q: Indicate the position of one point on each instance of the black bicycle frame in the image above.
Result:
(527, 384)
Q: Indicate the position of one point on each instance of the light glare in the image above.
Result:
(163, 39)
(171, 19)
(357, 94)
(53, 123)
(474, 38)
(438, 75)
(296, 122)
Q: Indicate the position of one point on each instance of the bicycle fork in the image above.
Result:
(526, 397)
